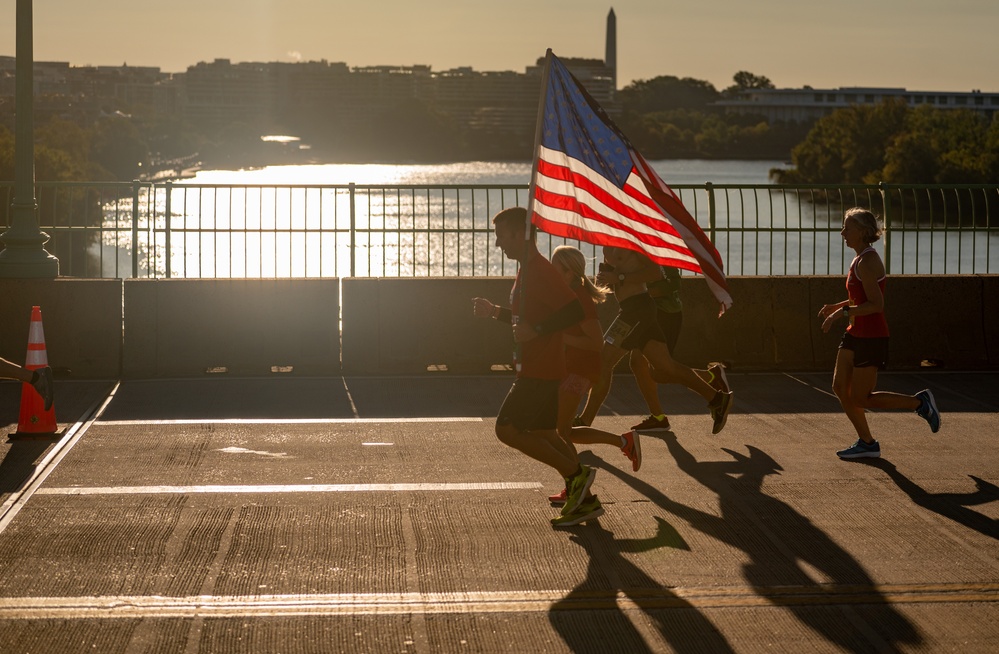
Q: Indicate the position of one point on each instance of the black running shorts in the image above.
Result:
(531, 405)
(636, 324)
(867, 352)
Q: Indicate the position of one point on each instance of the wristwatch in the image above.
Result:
(846, 311)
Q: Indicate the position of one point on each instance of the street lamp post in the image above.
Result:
(23, 254)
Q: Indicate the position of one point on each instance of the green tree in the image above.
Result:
(667, 134)
(992, 146)
(942, 147)
(746, 81)
(715, 137)
(119, 148)
(6, 156)
(665, 93)
(61, 154)
(669, 117)
(847, 146)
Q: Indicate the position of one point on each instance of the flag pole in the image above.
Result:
(529, 223)
(542, 99)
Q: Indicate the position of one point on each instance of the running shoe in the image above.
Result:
(632, 449)
(928, 409)
(558, 499)
(652, 425)
(718, 380)
(861, 450)
(577, 487)
(588, 510)
(45, 387)
(719, 408)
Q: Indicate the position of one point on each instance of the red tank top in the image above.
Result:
(872, 325)
(585, 363)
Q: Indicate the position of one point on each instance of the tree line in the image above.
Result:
(894, 143)
(665, 118)
(674, 118)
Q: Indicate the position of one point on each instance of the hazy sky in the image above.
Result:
(947, 45)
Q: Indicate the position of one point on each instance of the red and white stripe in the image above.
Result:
(37, 356)
(575, 201)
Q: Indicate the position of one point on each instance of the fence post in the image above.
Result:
(353, 229)
(710, 188)
(135, 228)
(887, 232)
(167, 223)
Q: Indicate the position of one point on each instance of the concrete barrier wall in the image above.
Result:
(990, 320)
(81, 320)
(185, 327)
(396, 326)
(157, 328)
(402, 326)
(774, 323)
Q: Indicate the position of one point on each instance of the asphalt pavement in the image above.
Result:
(381, 514)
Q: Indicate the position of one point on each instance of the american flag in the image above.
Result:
(590, 184)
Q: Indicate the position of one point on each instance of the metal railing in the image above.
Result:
(181, 230)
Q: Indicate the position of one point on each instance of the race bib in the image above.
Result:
(617, 332)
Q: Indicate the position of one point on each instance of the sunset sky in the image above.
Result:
(916, 44)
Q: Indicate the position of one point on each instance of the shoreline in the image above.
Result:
(208, 165)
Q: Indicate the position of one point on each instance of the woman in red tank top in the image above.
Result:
(864, 348)
(583, 344)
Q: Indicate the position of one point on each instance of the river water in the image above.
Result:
(476, 173)
(434, 220)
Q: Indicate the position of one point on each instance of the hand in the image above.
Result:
(608, 279)
(828, 322)
(828, 309)
(482, 308)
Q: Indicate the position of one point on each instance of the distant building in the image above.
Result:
(221, 93)
(807, 104)
(265, 95)
(277, 95)
(487, 101)
(84, 93)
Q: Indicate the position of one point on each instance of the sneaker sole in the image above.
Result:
(860, 455)
(721, 425)
(652, 430)
(637, 462)
(596, 513)
(935, 411)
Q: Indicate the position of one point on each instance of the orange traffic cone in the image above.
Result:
(34, 419)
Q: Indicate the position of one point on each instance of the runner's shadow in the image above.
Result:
(590, 619)
(778, 540)
(953, 506)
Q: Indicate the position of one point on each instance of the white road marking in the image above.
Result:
(44, 468)
(282, 421)
(243, 450)
(292, 488)
(140, 606)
